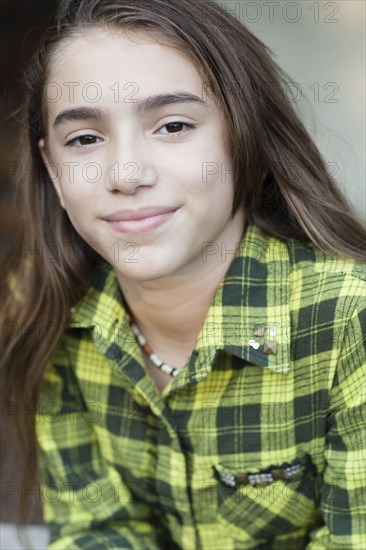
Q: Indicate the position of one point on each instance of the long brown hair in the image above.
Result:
(281, 180)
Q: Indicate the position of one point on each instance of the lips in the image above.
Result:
(139, 214)
(141, 220)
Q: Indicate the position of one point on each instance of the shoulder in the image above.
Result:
(326, 273)
(327, 294)
(309, 257)
(317, 293)
(310, 270)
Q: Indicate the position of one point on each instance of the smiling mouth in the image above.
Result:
(140, 225)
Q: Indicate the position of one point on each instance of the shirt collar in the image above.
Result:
(101, 308)
(254, 292)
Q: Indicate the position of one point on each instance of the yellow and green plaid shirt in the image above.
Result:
(243, 449)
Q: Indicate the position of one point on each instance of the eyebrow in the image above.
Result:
(140, 107)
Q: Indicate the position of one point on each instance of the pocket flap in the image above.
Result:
(269, 474)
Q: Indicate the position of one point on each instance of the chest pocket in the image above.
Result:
(267, 502)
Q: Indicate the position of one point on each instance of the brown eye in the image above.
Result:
(175, 126)
(83, 141)
(87, 140)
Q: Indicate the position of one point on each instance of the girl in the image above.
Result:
(187, 345)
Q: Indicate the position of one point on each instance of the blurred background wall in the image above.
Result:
(320, 44)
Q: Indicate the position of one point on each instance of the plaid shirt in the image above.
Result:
(243, 449)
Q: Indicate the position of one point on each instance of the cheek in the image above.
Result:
(75, 202)
(79, 176)
(78, 208)
(76, 190)
(216, 170)
(216, 184)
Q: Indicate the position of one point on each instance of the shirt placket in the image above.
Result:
(171, 476)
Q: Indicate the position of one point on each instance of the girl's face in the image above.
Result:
(144, 176)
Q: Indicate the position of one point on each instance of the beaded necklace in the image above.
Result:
(150, 353)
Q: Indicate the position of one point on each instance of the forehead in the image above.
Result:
(112, 67)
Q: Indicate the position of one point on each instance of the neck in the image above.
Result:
(170, 311)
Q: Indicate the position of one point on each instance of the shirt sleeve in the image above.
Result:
(343, 497)
(86, 503)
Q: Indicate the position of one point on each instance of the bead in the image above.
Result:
(258, 330)
(242, 479)
(270, 348)
(272, 331)
(228, 479)
(253, 343)
(164, 367)
(260, 477)
(155, 359)
(148, 350)
(141, 339)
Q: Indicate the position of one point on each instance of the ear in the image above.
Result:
(51, 169)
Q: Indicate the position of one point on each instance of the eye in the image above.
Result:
(83, 141)
(176, 128)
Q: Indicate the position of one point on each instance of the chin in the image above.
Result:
(143, 273)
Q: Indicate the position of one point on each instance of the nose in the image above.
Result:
(131, 165)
